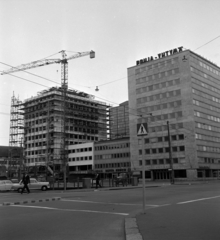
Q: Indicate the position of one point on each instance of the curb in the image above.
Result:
(131, 229)
(31, 201)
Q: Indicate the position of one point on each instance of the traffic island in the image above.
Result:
(31, 201)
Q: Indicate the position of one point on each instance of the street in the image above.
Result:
(172, 212)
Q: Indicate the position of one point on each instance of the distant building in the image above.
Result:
(119, 121)
(10, 159)
(108, 157)
(180, 88)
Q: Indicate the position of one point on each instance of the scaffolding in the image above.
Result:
(16, 123)
(16, 135)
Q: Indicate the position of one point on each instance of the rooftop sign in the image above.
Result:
(160, 55)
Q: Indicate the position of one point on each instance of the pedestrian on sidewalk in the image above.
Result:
(97, 181)
(25, 181)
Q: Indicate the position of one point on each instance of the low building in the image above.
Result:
(112, 157)
(81, 157)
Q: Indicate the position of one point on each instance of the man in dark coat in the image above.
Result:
(97, 180)
(25, 181)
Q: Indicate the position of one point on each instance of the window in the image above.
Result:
(147, 162)
(181, 137)
(182, 148)
(160, 161)
(160, 150)
(147, 151)
(154, 150)
(154, 162)
(173, 137)
(174, 149)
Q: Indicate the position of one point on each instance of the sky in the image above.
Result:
(119, 31)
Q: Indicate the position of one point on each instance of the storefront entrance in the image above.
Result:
(161, 174)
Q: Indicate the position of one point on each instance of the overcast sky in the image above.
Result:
(120, 32)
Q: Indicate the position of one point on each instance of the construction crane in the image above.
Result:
(64, 87)
(63, 61)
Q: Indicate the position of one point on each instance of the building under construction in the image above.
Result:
(51, 125)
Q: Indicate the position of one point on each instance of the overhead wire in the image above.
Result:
(97, 85)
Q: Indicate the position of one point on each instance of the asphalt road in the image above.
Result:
(182, 212)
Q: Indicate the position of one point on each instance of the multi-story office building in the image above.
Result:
(46, 122)
(112, 156)
(179, 88)
(119, 121)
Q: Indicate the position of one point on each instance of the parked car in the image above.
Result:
(34, 185)
(6, 185)
(15, 180)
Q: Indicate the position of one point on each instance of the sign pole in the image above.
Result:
(142, 130)
(143, 173)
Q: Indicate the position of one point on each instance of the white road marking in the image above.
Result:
(196, 200)
(70, 210)
(126, 204)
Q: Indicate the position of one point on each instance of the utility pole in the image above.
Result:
(170, 155)
(21, 159)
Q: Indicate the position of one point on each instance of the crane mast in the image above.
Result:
(64, 88)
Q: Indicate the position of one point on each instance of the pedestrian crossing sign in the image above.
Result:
(142, 129)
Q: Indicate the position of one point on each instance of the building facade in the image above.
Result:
(81, 157)
(181, 91)
(47, 125)
(112, 157)
(119, 121)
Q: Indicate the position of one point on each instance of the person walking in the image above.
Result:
(97, 181)
(25, 181)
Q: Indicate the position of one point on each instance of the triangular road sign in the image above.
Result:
(142, 129)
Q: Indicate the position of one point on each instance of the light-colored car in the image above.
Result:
(34, 185)
(6, 185)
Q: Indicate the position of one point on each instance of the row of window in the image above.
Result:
(162, 150)
(162, 85)
(207, 127)
(162, 106)
(159, 161)
(207, 138)
(159, 96)
(89, 149)
(208, 149)
(209, 68)
(205, 95)
(162, 139)
(112, 156)
(174, 126)
(167, 63)
(113, 165)
(166, 116)
(115, 146)
(205, 85)
(70, 136)
(157, 76)
(202, 74)
(33, 160)
(207, 116)
(207, 106)
(84, 158)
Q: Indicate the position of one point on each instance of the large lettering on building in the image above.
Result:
(160, 55)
